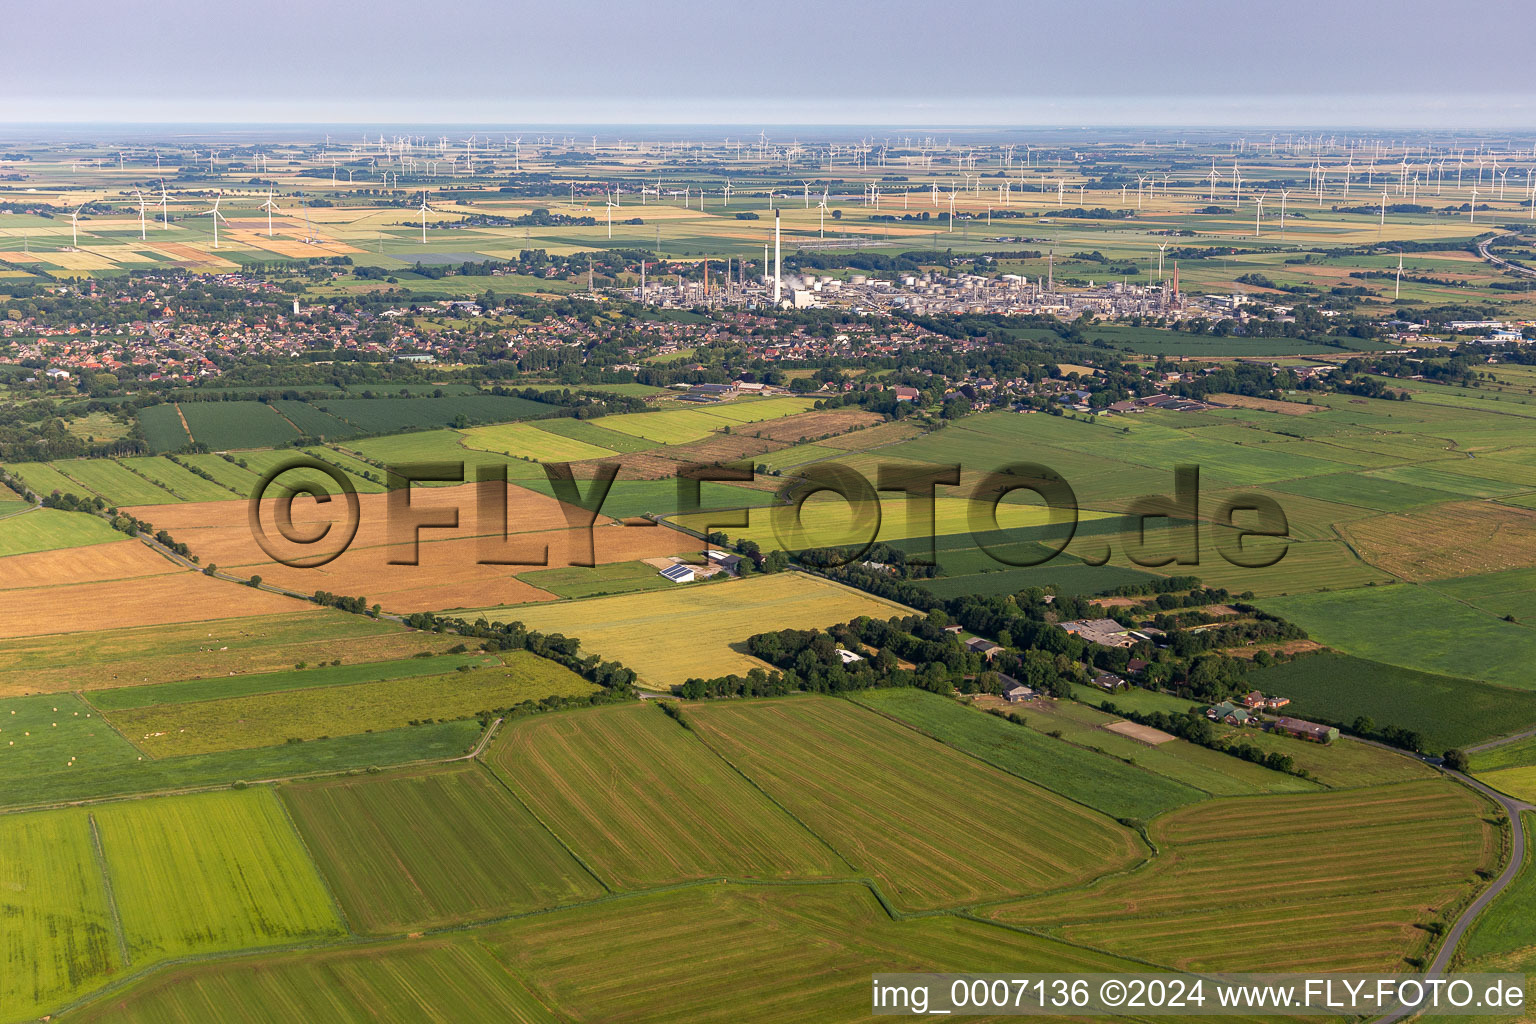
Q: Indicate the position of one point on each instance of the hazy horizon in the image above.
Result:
(1374, 64)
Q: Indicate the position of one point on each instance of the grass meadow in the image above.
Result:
(1448, 711)
(61, 938)
(1102, 782)
(643, 802)
(1418, 843)
(887, 799)
(210, 872)
(293, 715)
(431, 848)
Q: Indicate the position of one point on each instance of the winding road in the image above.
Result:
(1502, 264)
(1513, 808)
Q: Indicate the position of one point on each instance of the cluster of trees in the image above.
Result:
(514, 636)
(355, 605)
(914, 650)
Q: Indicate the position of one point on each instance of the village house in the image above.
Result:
(1109, 682)
(1254, 699)
(1230, 713)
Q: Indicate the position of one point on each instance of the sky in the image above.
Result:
(1344, 63)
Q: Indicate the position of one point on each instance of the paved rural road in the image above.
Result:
(1514, 268)
(1513, 808)
(1501, 741)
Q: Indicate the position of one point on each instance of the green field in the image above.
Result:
(1231, 873)
(643, 802)
(592, 432)
(232, 425)
(267, 719)
(55, 732)
(60, 938)
(119, 486)
(1104, 783)
(185, 485)
(1512, 592)
(1418, 628)
(430, 979)
(1450, 712)
(242, 482)
(312, 422)
(385, 415)
(128, 777)
(527, 441)
(49, 529)
(44, 479)
(790, 953)
(440, 446)
(1518, 754)
(162, 428)
(267, 643)
(629, 498)
(210, 872)
(432, 847)
(189, 690)
(1519, 783)
(578, 581)
(669, 426)
(887, 799)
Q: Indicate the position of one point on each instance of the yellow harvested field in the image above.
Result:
(449, 574)
(187, 254)
(670, 636)
(148, 601)
(1455, 539)
(220, 531)
(81, 260)
(95, 563)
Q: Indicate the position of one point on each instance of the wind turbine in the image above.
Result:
(73, 231)
(165, 212)
(270, 205)
(217, 216)
(141, 213)
(1258, 213)
(822, 206)
(424, 209)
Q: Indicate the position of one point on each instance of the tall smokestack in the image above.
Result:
(778, 262)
